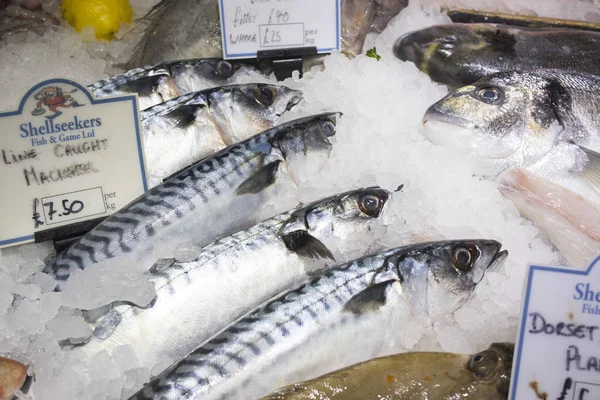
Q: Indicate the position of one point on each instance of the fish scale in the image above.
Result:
(306, 320)
(258, 262)
(264, 329)
(184, 193)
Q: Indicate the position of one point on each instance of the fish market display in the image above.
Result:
(349, 314)
(158, 83)
(420, 375)
(178, 29)
(360, 17)
(12, 377)
(194, 299)
(570, 221)
(199, 124)
(546, 120)
(460, 54)
(240, 177)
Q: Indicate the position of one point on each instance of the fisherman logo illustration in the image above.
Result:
(53, 98)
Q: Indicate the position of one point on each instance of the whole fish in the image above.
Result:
(547, 120)
(571, 222)
(176, 29)
(194, 299)
(349, 314)
(157, 83)
(359, 17)
(414, 376)
(208, 198)
(12, 377)
(196, 125)
(460, 54)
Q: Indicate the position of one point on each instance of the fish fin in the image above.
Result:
(262, 179)
(144, 86)
(161, 264)
(306, 245)
(107, 325)
(184, 116)
(149, 20)
(370, 299)
(591, 171)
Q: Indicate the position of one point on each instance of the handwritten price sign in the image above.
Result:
(557, 355)
(248, 26)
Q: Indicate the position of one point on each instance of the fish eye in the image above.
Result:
(328, 128)
(484, 363)
(370, 204)
(225, 68)
(490, 95)
(449, 39)
(463, 257)
(264, 95)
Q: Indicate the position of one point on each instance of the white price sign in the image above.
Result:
(557, 355)
(248, 26)
(67, 157)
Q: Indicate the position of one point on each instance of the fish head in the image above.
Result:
(450, 53)
(507, 118)
(243, 110)
(307, 139)
(439, 277)
(491, 370)
(197, 74)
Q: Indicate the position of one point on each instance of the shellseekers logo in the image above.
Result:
(53, 98)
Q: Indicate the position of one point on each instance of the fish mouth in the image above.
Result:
(498, 260)
(434, 114)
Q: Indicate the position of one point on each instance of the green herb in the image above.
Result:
(373, 54)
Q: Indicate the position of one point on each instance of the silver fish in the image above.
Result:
(208, 198)
(349, 314)
(545, 119)
(193, 299)
(196, 125)
(176, 29)
(157, 83)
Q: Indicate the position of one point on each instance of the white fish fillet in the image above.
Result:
(570, 221)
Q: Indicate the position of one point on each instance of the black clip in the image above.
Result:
(286, 61)
(63, 236)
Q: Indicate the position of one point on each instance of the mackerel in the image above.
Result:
(196, 125)
(349, 314)
(193, 299)
(155, 84)
(208, 199)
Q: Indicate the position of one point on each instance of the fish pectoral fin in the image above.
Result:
(184, 116)
(160, 265)
(591, 171)
(305, 245)
(262, 179)
(369, 300)
(107, 325)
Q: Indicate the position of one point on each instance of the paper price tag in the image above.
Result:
(557, 354)
(67, 157)
(248, 26)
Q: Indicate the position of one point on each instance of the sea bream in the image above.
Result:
(199, 124)
(231, 188)
(157, 83)
(194, 299)
(460, 54)
(547, 120)
(571, 222)
(349, 314)
(414, 376)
